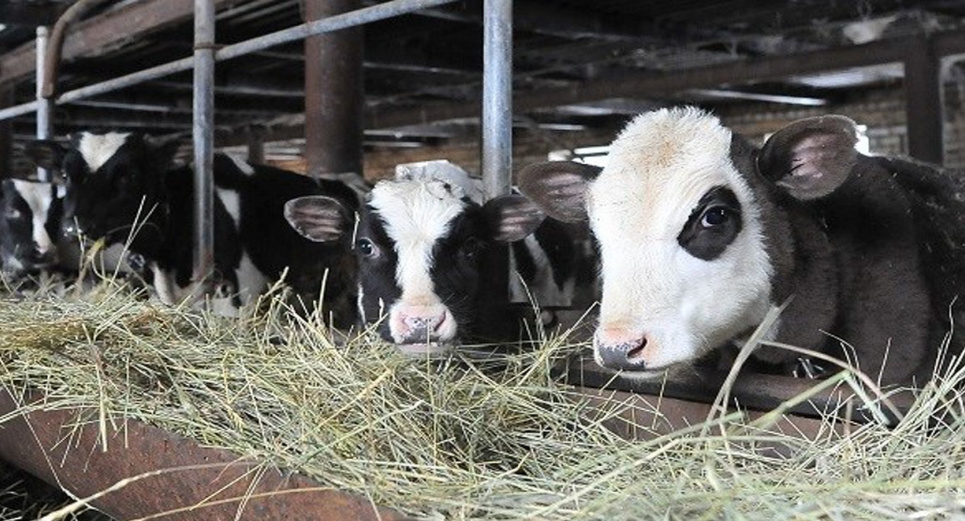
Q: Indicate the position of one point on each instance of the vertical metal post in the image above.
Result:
(334, 93)
(7, 99)
(204, 11)
(923, 102)
(45, 106)
(497, 149)
(497, 109)
(256, 144)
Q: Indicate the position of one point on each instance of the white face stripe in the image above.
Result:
(229, 198)
(242, 165)
(416, 215)
(97, 149)
(38, 197)
(659, 167)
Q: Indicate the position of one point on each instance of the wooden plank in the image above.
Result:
(103, 32)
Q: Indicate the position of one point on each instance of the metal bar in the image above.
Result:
(44, 106)
(334, 94)
(334, 23)
(497, 103)
(204, 38)
(51, 58)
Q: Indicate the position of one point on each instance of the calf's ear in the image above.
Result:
(558, 187)
(811, 157)
(512, 217)
(163, 148)
(44, 153)
(318, 218)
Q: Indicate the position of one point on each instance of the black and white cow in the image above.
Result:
(122, 187)
(32, 240)
(701, 234)
(420, 244)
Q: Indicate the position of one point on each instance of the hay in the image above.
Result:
(458, 438)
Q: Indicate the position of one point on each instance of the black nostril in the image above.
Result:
(637, 351)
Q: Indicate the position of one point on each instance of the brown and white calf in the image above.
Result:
(420, 244)
(701, 234)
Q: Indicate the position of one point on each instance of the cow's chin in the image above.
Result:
(431, 349)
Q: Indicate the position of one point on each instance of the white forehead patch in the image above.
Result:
(97, 149)
(38, 197)
(416, 214)
(660, 165)
(453, 178)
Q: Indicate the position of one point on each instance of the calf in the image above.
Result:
(700, 235)
(420, 244)
(31, 233)
(121, 187)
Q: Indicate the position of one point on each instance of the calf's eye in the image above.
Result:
(367, 248)
(715, 216)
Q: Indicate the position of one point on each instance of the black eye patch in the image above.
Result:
(712, 225)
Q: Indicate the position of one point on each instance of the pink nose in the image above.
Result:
(621, 348)
(419, 324)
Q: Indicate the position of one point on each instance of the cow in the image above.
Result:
(32, 240)
(701, 234)
(124, 188)
(421, 241)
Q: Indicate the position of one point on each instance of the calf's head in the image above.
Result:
(113, 181)
(679, 214)
(29, 226)
(419, 245)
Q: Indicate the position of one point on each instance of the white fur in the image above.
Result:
(38, 197)
(97, 149)
(242, 165)
(417, 213)
(251, 281)
(659, 167)
(445, 173)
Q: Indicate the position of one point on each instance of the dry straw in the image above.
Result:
(459, 438)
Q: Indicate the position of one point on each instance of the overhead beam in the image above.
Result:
(30, 14)
(105, 31)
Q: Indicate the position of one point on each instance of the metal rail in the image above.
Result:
(203, 127)
(497, 108)
(44, 106)
(327, 25)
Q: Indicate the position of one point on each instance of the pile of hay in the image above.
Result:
(459, 439)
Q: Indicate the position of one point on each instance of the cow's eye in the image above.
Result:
(715, 216)
(367, 248)
(13, 214)
(471, 248)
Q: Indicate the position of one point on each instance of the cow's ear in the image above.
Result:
(45, 153)
(512, 217)
(812, 157)
(558, 187)
(163, 148)
(318, 218)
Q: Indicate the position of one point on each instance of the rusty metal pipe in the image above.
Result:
(327, 25)
(51, 58)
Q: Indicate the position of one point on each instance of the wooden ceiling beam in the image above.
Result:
(103, 32)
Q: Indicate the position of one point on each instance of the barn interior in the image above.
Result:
(580, 69)
(411, 87)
